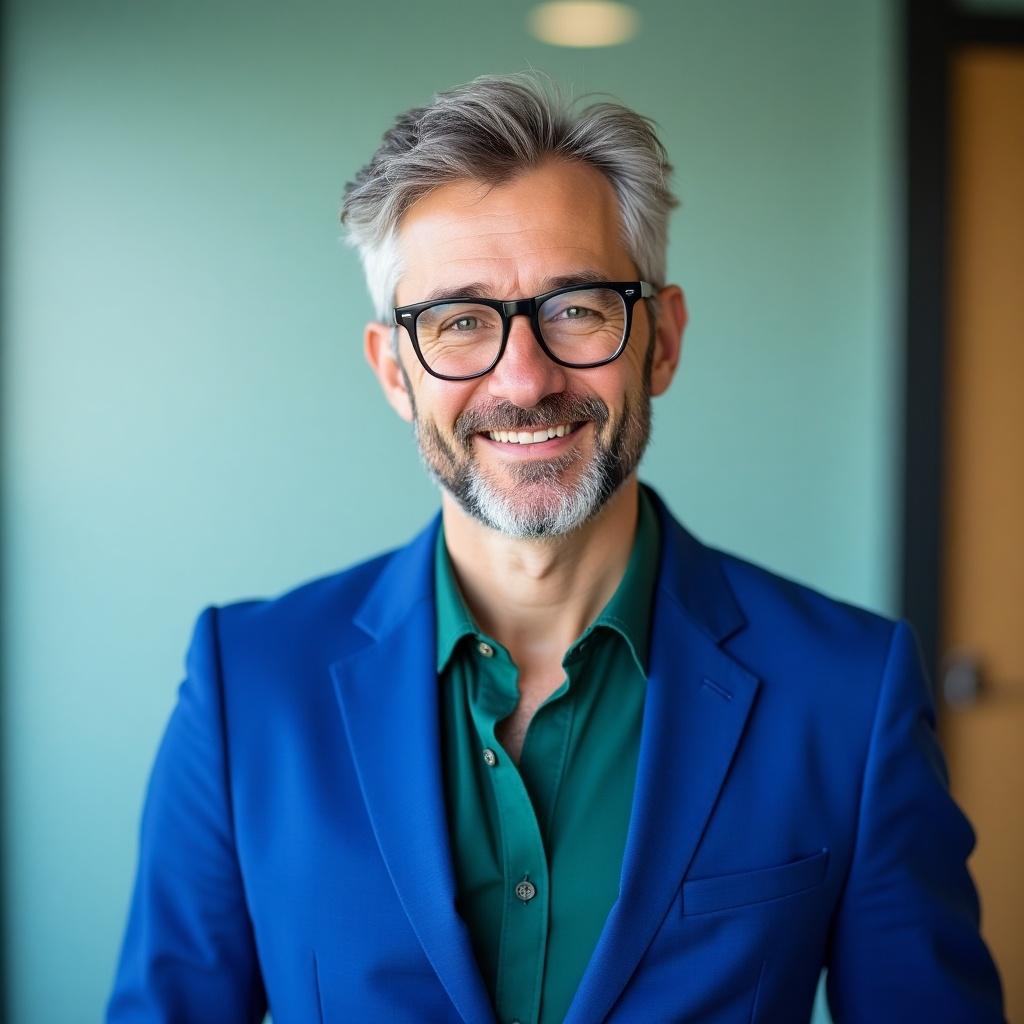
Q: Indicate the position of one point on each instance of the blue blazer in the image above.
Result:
(791, 812)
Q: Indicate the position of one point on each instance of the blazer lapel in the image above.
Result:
(698, 702)
(387, 692)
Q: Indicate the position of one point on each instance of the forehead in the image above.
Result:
(548, 222)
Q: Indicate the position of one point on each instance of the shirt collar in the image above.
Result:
(453, 618)
(628, 612)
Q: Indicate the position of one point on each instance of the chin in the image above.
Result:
(534, 509)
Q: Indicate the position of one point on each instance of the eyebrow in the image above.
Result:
(480, 290)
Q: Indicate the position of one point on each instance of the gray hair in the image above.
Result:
(489, 130)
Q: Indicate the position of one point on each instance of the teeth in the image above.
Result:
(529, 436)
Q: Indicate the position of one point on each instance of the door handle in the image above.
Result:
(962, 683)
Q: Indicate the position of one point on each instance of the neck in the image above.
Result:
(537, 596)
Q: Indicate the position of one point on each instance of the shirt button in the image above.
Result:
(485, 649)
(525, 890)
(490, 757)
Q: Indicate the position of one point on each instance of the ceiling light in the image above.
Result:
(584, 23)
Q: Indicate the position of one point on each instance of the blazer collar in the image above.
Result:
(692, 576)
(407, 581)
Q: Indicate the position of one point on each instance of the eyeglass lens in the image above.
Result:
(582, 326)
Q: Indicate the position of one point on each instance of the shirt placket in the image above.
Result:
(524, 924)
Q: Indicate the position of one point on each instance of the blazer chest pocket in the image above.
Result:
(705, 895)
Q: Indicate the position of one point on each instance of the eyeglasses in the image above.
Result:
(579, 326)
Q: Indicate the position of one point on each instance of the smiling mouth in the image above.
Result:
(531, 436)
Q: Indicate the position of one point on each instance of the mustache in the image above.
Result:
(550, 411)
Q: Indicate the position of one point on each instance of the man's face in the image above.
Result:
(523, 238)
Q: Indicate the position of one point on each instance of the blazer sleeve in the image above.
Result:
(188, 953)
(905, 943)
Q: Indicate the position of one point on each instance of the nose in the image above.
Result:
(524, 374)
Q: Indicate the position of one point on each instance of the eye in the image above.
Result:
(463, 323)
(576, 313)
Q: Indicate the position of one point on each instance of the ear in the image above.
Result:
(383, 361)
(668, 337)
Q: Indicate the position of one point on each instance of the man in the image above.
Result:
(555, 759)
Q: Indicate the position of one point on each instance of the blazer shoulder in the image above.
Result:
(762, 612)
(814, 626)
(316, 616)
(348, 584)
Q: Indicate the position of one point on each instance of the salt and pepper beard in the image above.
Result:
(562, 507)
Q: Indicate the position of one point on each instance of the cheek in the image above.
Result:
(440, 401)
(636, 355)
(611, 383)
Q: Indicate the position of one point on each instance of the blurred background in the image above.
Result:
(186, 416)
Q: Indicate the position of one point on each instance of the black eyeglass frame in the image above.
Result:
(629, 291)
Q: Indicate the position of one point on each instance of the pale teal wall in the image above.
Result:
(186, 417)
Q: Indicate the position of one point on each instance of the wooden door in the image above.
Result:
(983, 586)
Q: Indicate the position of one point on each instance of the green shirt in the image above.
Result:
(538, 848)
